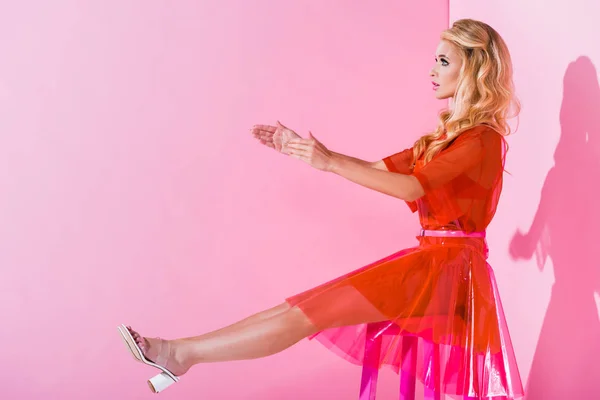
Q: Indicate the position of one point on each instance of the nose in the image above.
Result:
(433, 72)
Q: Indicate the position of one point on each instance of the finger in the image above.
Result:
(298, 152)
(263, 134)
(301, 157)
(300, 140)
(267, 141)
(269, 144)
(310, 135)
(266, 128)
(304, 155)
(282, 126)
(263, 127)
(268, 138)
(299, 146)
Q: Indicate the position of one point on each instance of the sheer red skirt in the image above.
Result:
(442, 292)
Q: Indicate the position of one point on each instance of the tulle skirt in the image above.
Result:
(443, 294)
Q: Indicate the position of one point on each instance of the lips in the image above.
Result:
(435, 85)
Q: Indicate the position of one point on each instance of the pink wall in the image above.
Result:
(132, 191)
(550, 277)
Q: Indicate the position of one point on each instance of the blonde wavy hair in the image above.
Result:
(485, 90)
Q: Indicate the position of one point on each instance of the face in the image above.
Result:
(445, 73)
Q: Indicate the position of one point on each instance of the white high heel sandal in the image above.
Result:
(161, 381)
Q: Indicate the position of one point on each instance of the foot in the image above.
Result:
(151, 347)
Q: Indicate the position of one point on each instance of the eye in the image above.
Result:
(443, 61)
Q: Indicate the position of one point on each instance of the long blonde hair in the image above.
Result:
(485, 90)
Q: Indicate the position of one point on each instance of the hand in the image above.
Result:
(275, 137)
(516, 248)
(519, 247)
(312, 152)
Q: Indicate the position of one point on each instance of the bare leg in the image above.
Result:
(262, 334)
(262, 338)
(259, 335)
(260, 316)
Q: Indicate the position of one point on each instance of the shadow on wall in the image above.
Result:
(566, 228)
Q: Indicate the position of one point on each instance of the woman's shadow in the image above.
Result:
(566, 228)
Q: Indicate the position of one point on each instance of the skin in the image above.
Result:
(278, 328)
(446, 71)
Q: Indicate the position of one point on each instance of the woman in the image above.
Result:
(443, 291)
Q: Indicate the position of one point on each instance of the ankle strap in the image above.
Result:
(163, 353)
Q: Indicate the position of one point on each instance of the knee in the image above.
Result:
(283, 307)
(296, 318)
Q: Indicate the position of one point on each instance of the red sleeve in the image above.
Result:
(466, 152)
(401, 162)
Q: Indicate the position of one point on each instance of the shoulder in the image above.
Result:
(483, 135)
(480, 131)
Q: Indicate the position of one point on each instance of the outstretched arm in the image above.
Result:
(376, 164)
(376, 177)
(369, 175)
(277, 137)
(373, 175)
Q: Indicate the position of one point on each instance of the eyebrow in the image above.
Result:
(442, 55)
